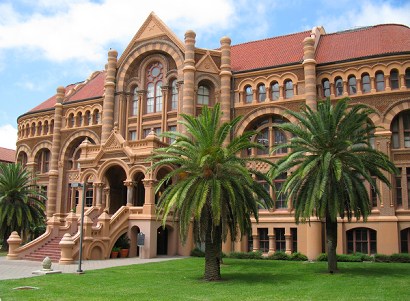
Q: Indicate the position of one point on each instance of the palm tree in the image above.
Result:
(329, 162)
(21, 204)
(214, 187)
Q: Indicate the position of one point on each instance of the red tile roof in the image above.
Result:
(93, 87)
(282, 50)
(7, 155)
(363, 42)
(275, 51)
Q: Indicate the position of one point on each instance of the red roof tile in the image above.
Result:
(7, 155)
(83, 90)
(271, 52)
(363, 42)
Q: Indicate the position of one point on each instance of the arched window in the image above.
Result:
(400, 129)
(79, 119)
(261, 93)
(96, 117)
(366, 87)
(134, 107)
(352, 85)
(174, 95)
(39, 128)
(71, 120)
(288, 89)
(275, 91)
(280, 198)
(248, 94)
(154, 88)
(43, 161)
(339, 86)
(46, 127)
(394, 79)
(203, 95)
(361, 240)
(22, 159)
(88, 118)
(407, 76)
(379, 81)
(269, 136)
(326, 87)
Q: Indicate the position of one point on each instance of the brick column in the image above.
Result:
(188, 104)
(108, 104)
(55, 150)
(309, 68)
(226, 76)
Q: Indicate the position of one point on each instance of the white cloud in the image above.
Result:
(8, 136)
(366, 13)
(84, 30)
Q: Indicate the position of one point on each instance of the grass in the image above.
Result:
(242, 280)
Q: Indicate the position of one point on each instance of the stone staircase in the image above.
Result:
(50, 249)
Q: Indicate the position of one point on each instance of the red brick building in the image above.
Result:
(101, 131)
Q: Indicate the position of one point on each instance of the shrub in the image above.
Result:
(246, 255)
(381, 258)
(365, 257)
(279, 256)
(348, 258)
(322, 257)
(197, 253)
(402, 257)
(298, 257)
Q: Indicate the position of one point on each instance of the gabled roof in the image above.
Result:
(276, 51)
(7, 155)
(90, 88)
(363, 42)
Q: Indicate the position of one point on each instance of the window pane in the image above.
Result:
(379, 82)
(365, 83)
(262, 93)
(174, 98)
(248, 94)
(326, 88)
(288, 89)
(352, 85)
(150, 98)
(275, 91)
(394, 79)
(158, 97)
(339, 87)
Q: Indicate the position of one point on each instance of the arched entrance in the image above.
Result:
(134, 249)
(160, 175)
(138, 198)
(162, 241)
(116, 176)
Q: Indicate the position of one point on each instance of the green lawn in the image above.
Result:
(242, 280)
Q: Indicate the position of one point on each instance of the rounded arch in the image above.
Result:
(365, 69)
(259, 112)
(156, 45)
(139, 168)
(24, 148)
(97, 250)
(43, 144)
(132, 84)
(89, 174)
(207, 78)
(113, 162)
(244, 83)
(289, 76)
(146, 62)
(393, 110)
(80, 133)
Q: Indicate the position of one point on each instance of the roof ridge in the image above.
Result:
(272, 38)
(360, 28)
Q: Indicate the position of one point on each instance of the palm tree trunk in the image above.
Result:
(331, 238)
(212, 253)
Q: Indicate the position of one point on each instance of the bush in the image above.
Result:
(322, 257)
(365, 257)
(402, 257)
(246, 255)
(279, 256)
(298, 257)
(197, 253)
(381, 258)
(348, 258)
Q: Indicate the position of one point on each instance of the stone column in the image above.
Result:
(98, 194)
(149, 205)
(14, 242)
(188, 104)
(225, 75)
(288, 242)
(255, 242)
(271, 244)
(55, 150)
(108, 104)
(107, 198)
(130, 191)
(309, 68)
(66, 245)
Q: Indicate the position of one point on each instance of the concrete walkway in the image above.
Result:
(14, 269)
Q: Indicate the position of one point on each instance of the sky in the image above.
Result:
(49, 43)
